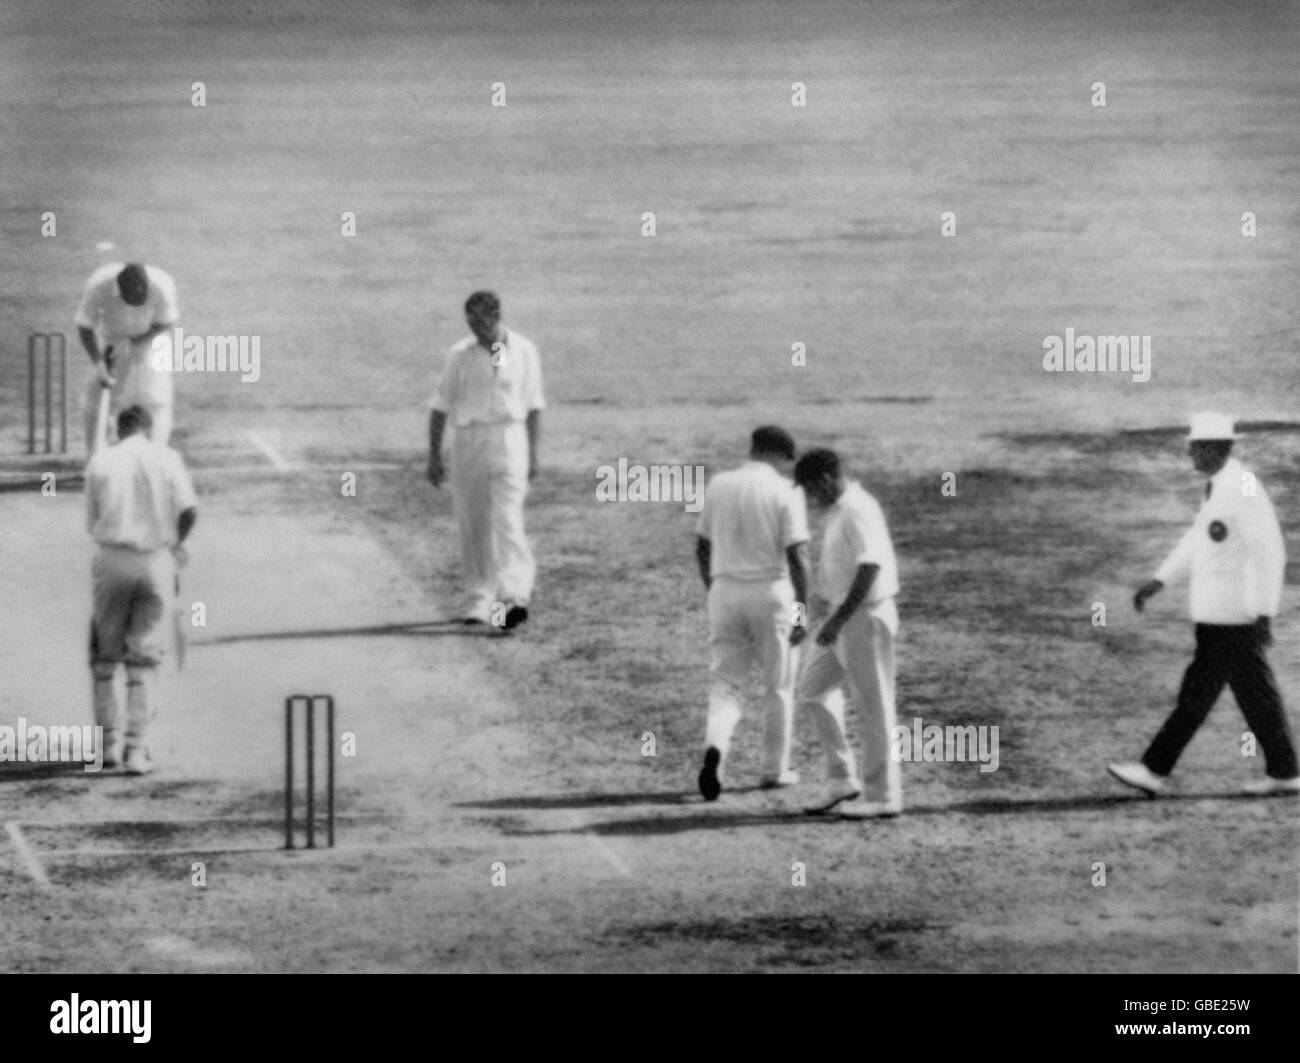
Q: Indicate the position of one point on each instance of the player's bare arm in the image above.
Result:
(704, 558)
(796, 557)
(862, 581)
(534, 425)
(437, 425)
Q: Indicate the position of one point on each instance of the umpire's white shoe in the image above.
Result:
(858, 809)
(1268, 785)
(836, 793)
(1138, 776)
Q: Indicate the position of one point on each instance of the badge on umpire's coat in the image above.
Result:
(1218, 531)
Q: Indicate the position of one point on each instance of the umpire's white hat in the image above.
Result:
(1211, 426)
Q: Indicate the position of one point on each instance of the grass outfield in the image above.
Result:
(775, 226)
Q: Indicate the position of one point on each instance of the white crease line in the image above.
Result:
(269, 452)
(601, 846)
(27, 854)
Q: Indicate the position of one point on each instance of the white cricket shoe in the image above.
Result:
(1268, 785)
(1137, 775)
(837, 792)
(858, 809)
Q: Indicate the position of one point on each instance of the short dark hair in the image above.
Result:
(772, 439)
(133, 419)
(816, 464)
(133, 277)
(483, 302)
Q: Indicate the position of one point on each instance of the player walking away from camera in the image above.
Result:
(753, 555)
(125, 318)
(1236, 559)
(854, 647)
(140, 507)
(491, 393)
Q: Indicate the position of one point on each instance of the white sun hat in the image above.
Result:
(1211, 426)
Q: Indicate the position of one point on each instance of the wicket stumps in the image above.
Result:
(309, 703)
(44, 346)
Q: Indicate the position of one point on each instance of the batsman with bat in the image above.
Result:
(140, 508)
(125, 313)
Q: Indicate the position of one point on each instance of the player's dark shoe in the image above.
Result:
(710, 784)
(515, 616)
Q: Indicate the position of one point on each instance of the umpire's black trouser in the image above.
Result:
(1228, 654)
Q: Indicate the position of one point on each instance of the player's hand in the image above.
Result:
(798, 633)
(436, 472)
(1149, 588)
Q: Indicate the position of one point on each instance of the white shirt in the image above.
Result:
(751, 516)
(136, 491)
(857, 534)
(472, 390)
(115, 321)
(1234, 552)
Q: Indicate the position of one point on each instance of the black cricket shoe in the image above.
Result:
(515, 616)
(710, 784)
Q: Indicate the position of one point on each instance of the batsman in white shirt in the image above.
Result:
(490, 393)
(1235, 557)
(752, 550)
(854, 647)
(125, 321)
(140, 506)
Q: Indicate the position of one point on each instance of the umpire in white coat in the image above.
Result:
(1236, 558)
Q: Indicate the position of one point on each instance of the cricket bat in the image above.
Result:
(101, 419)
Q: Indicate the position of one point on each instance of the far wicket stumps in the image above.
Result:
(309, 702)
(45, 347)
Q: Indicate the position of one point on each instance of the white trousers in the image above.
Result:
(749, 624)
(861, 660)
(488, 476)
(133, 594)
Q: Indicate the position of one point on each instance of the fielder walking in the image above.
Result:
(854, 647)
(140, 507)
(490, 392)
(752, 550)
(124, 319)
(1236, 558)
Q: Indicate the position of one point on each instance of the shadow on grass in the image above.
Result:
(427, 628)
(543, 802)
(719, 817)
(27, 772)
